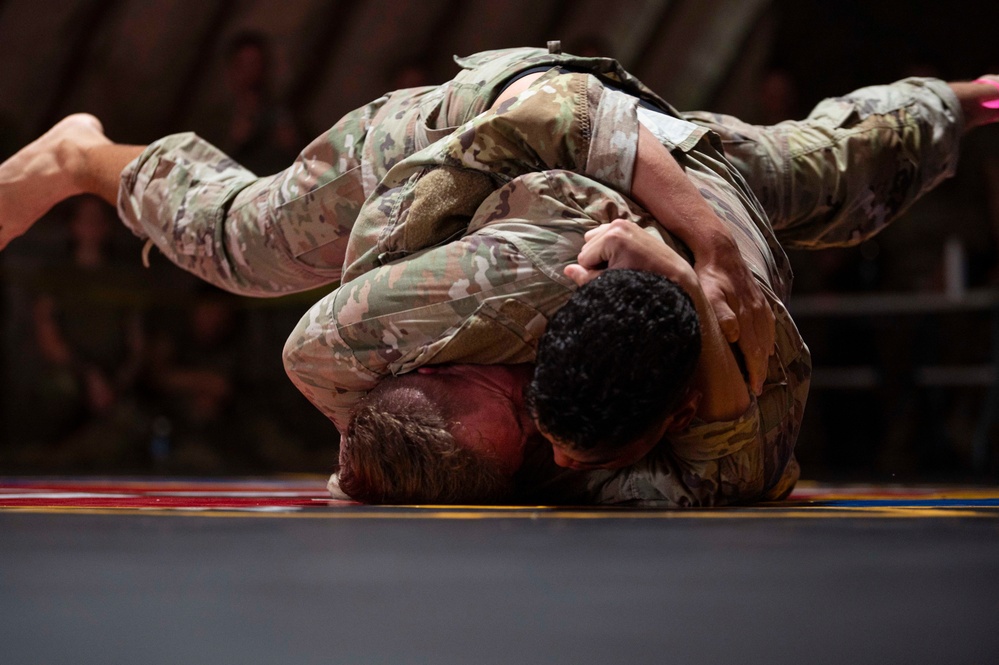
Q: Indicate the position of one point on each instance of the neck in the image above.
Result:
(521, 375)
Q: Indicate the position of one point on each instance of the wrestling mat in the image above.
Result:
(250, 571)
(307, 498)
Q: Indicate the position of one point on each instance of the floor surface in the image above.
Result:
(112, 571)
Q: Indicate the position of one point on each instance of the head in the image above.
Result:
(90, 232)
(91, 222)
(409, 75)
(248, 59)
(212, 317)
(449, 434)
(613, 370)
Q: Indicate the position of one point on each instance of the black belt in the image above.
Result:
(575, 70)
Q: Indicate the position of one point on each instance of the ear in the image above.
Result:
(680, 419)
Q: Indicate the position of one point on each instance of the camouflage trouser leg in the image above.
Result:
(254, 236)
(289, 232)
(855, 164)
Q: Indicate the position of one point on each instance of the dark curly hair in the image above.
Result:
(615, 360)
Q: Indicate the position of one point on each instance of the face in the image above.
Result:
(494, 420)
(90, 225)
(584, 460)
(248, 67)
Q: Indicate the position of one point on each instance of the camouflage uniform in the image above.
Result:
(288, 232)
(456, 254)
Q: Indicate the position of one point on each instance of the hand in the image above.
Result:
(743, 313)
(625, 245)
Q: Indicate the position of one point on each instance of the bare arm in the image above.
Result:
(662, 188)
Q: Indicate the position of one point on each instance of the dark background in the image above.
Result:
(110, 368)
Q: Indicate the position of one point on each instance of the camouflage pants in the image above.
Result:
(854, 165)
(251, 235)
(288, 232)
(835, 178)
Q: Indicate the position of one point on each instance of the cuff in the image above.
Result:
(333, 487)
(703, 441)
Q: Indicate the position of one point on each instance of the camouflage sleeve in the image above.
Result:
(563, 121)
(854, 165)
(253, 236)
(483, 298)
(400, 316)
(711, 464)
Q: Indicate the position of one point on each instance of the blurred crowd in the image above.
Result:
(112, 367)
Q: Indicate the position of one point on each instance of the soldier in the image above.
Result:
(220, 222)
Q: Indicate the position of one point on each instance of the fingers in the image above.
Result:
(603, 228)
(727, 321)
(738, 324)
(581, 275)
(757, 343)
(743, 323)
(593, 256)
(757, 360)
(603, 243)
(744, 317)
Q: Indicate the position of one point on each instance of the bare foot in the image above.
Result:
(44, 173)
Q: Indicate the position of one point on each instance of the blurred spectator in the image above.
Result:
(410, 74)
(88, 335)
(778, 97)
(591, 46)
(262, 135)
(195, 363)
(216, 411)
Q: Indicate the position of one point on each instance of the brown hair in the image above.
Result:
(400, 448)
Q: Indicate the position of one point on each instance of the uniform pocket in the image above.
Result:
(317, 225)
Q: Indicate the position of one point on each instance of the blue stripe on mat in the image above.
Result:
(970, 503)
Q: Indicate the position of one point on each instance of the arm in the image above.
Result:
(542, 129)
(624, 245)
(476, 299)
(484, 298)
(740, 310)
